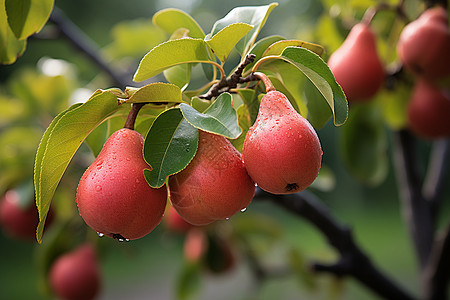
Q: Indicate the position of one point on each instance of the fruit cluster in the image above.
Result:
(281, 154)
(423, 49)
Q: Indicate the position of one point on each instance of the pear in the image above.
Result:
(214, 186)
(113, 196)
(76, 275)
(429, 111)
(424, 45)
(282, 151)
(357, 66)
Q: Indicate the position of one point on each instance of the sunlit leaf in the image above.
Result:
(252, 15)
(171, 19)
(169, 146)
(224, 41)
(60, 142)
(319, 112)
(244, 123)
(156, 92)
(220, 118)
(249, 96)
(169, 54)
(10, 47)
(278, 47)
(26, 17)
(180, 75)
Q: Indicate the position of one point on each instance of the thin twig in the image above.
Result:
(82, 42)
(354, 262)
(226, 84)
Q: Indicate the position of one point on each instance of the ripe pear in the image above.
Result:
(429, 111)
(356, 65)
(281, 152)
(424, 45)
(76, 275)
(214, 186)
(113, 196)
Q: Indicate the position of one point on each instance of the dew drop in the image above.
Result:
(128, 159)
(137, 180)
(98, 188)
(100, 234)
(227, 219)
(244, 209)
(124, 135)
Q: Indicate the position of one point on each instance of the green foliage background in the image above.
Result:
(148, 268)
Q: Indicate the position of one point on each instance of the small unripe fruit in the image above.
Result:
(76, 275)
(214, 186)
(429, 111)
(356, 65)
(281, 152)
(195, 245)
(113, 196)
(424, 45)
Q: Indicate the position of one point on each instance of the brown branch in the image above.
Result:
(86, 46)
(227, 84)
(416, 210)
(437, 275)
(353, 262)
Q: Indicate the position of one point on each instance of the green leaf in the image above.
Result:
(219, 118)
(169, 54)
(224, 41)
(169, 146)
(156, 92)
(252, 15)
(60, 142)
(188, 281)
(319, 112)
(250, 98)
(278, 47)
(10, 47)
(321, 76)
(171, 19)
(260, 46)
(363, 144)
(244, 123)
(26, 17)
(180, 75)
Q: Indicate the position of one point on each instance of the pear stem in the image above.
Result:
(131, 119)
(263, 77)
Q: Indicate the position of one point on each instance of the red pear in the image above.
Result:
(76, 275)
(17, 221)
(424, 45)
(214, 186)
(282, 152)
(174, 222)
(113, 196)
(429, 111)
(356, 65)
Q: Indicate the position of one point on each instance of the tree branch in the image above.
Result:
(436, 175)
(437, 274)
(227, 84)
(416, 209)
(354, 262)
(83, 43)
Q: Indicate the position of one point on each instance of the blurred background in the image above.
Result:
(52, 74)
